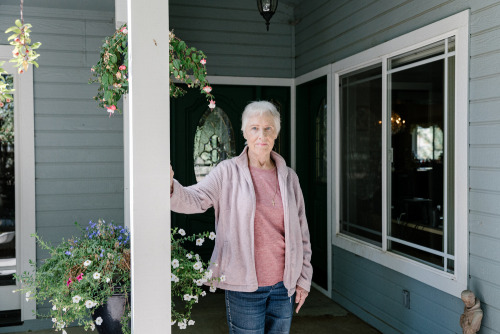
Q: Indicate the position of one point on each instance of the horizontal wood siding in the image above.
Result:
(78, 148)
(332, 30)
(233, 36)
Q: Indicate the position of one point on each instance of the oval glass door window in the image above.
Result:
(213, 142)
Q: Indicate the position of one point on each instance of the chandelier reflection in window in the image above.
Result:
(213, 142)
(397, 123)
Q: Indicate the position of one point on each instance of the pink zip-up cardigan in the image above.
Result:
(229, 189)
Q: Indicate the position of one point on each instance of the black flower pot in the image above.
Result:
(111, 314)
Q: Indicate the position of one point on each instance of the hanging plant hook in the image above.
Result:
(22, 18)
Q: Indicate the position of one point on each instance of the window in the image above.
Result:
(7, 190)
(17, 189)
(402, 189)
(213, 142)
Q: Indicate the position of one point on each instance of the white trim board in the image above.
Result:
(24, 153)
(457, 25)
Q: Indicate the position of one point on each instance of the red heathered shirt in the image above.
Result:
(269, 228)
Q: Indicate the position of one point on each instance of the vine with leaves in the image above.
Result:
(186, 65)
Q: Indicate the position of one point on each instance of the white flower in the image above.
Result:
(92, 326)
(14, 291)
(197, 257)
(54, 308)
(108, 279)
(97, 275)
(76, 299)
(182, 325)
(197, 265)
(172, 322)
(191, 322)
(175, 263)
(54, 320)
(199, 282)
(188, 255)
(181, 232)
(28, 294)
(187, 297)
(213, 289)
(98, 321)
(87, 263)
(208, 274)
(174, 278)
(90, 304)
(212, 104)
(64, 332)
(64, 309)
(212, 236)
(195, 298)
(203, 293)
(223, 278)
(200, 241)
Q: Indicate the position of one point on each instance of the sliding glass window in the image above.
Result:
(410, 210)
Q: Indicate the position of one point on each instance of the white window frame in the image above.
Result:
(24, 155)
(458, 26)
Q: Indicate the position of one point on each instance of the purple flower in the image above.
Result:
(68, 253)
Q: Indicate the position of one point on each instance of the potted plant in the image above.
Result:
(186, 64)
(87, 275)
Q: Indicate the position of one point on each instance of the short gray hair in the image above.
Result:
(259, 108)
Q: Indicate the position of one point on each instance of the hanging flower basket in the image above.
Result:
(186, 65)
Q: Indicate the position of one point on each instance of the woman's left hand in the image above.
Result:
(300, 297)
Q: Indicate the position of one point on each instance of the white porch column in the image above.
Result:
(148, 159)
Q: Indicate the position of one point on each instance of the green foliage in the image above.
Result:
(189, 274)
(81, 274)
(24, 52)
(186, 65)
(111, 71)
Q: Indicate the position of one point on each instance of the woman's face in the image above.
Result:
(260, 134)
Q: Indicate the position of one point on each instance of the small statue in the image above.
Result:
(470, 320)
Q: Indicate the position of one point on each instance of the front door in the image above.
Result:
(312, 169)
(200, 138)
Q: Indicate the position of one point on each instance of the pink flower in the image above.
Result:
(79, 277)
(124, 30)
(212, 104)
(122, 68)
(207, 89)
(17, 40)
(69, 282)
(111, 110)
(92, 69)
(203, 61)
(1, 104)
(15, 52)
(20, 71)
(118, 75)
(7, 100)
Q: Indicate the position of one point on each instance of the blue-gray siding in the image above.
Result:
(233, 36)
(332, 30)
(78, 148)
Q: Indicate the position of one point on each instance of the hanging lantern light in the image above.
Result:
(267, 8)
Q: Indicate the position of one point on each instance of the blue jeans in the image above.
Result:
(267, 310)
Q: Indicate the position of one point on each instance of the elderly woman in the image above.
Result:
(262, 250)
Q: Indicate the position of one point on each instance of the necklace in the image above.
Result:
(276, 190)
